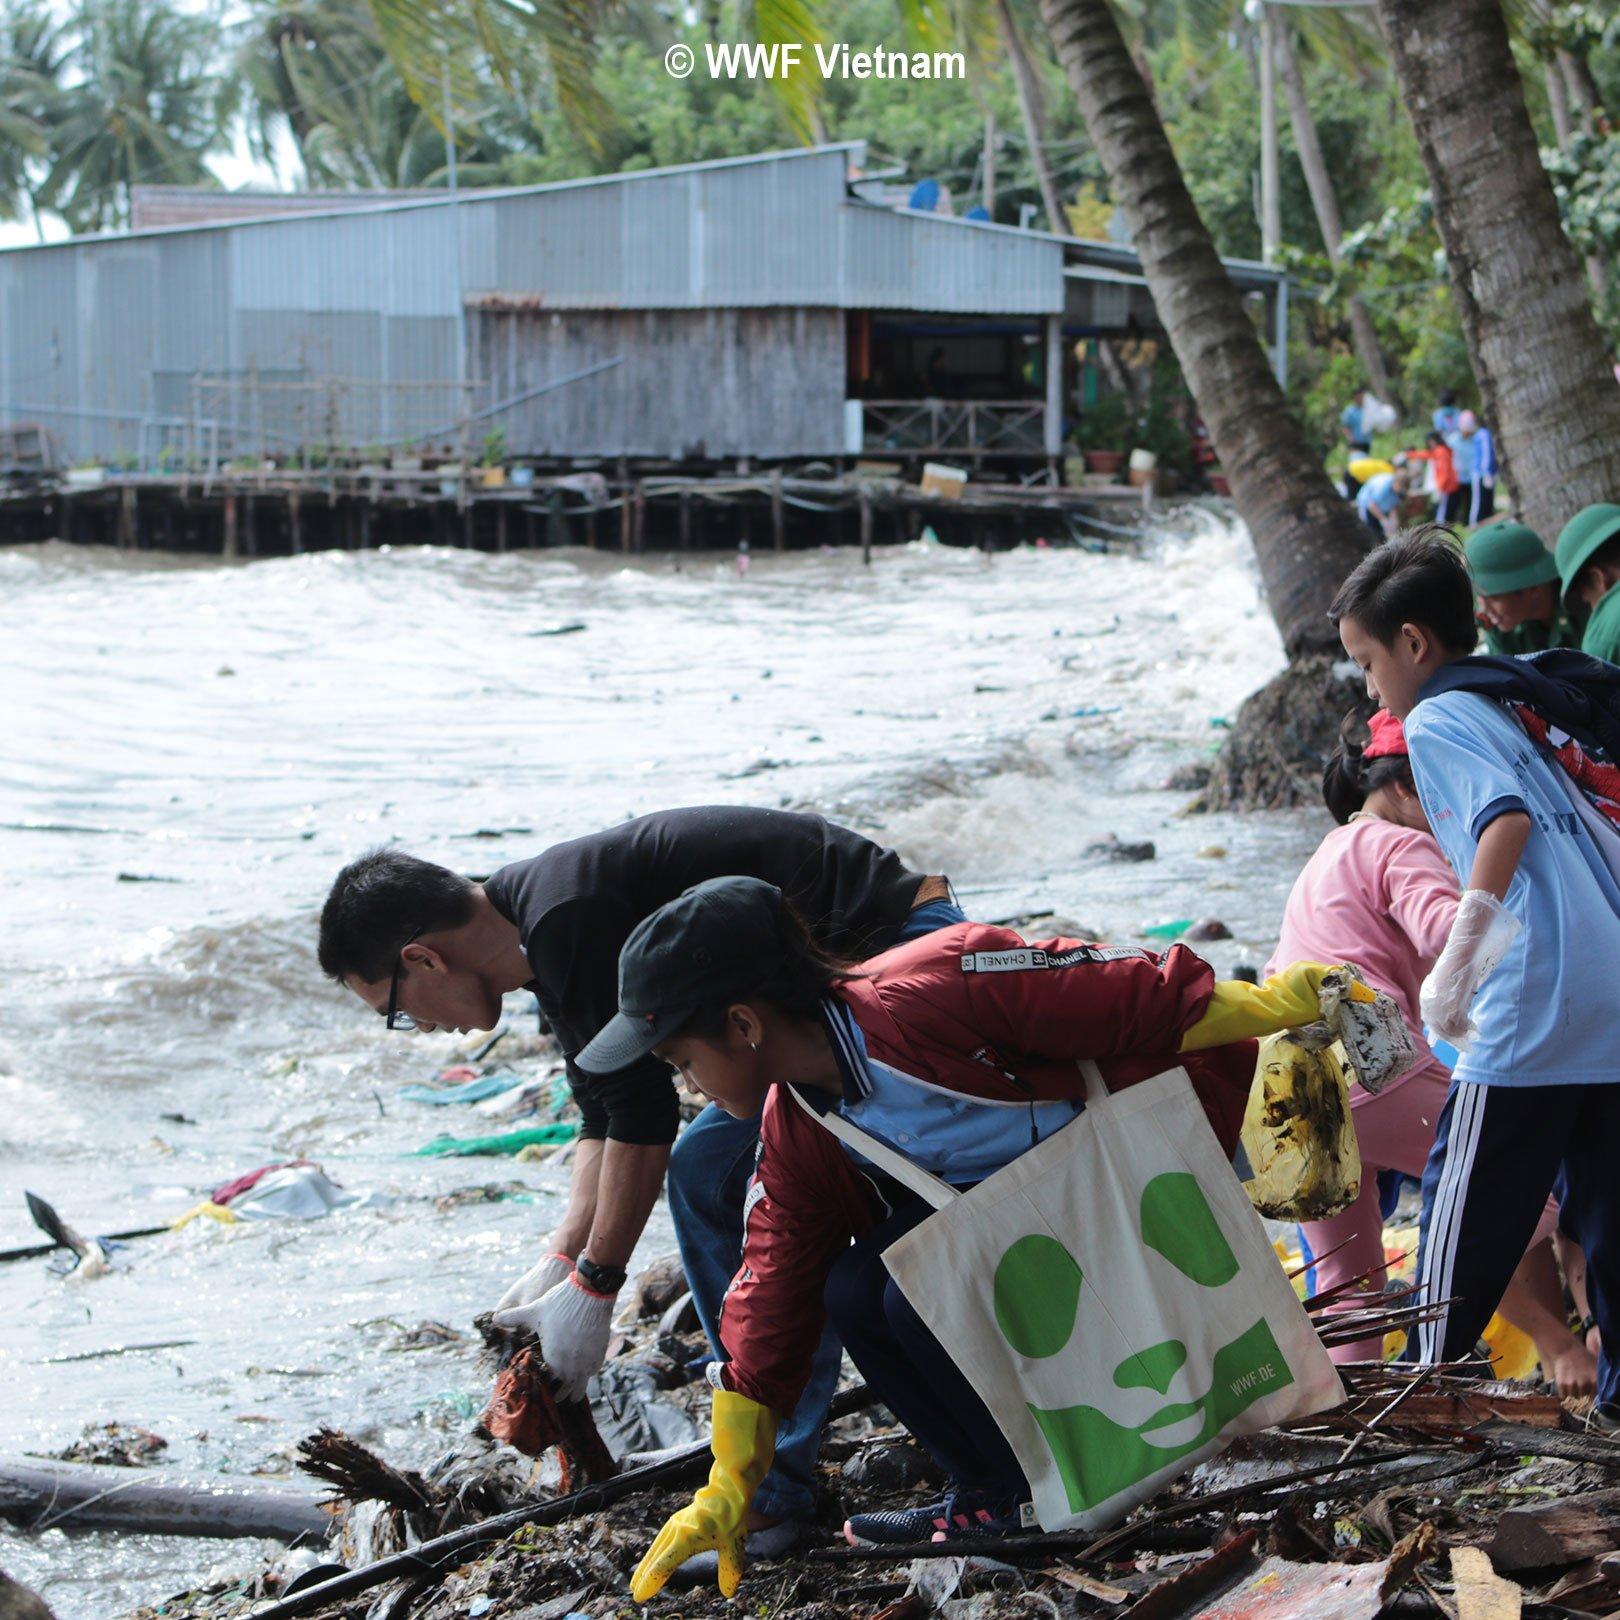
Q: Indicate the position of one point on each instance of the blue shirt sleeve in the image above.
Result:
(1463, 769)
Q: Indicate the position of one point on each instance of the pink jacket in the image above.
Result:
(1381, 896)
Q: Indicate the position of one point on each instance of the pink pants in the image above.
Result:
(1395, 1131)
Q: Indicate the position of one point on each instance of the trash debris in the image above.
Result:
(504, 1143)
(1113, 848)
(41, 1493)
(471, 1088)
(1375, 1044)
(1298, 1134)
(1166, 930)
(118, 1445)
(654, 1288)
(487, 1192)
(1209, 928)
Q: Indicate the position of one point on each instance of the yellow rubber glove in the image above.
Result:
(744, 1441)
(1242, 1012)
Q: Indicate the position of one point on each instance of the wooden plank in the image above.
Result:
(1481, 1593)
(1552, 1534)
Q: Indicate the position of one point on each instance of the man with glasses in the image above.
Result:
(429, 949)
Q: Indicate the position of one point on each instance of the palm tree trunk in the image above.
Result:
(1558, 101)
(1538, 355)
(1583, 90)
(1034, 116)
(1305, 536)
(1326, 203)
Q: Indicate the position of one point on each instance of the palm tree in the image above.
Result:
(1305, 536)
(32, 60)
(1324, 198)
(144, 103)
(304, 65)
(1539, 357)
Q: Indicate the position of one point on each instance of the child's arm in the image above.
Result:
(1497, 857)
(1481, 935)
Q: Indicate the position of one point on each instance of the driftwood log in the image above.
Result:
(37, 1493)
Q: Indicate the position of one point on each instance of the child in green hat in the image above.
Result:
(1589, 573)
(1516, 578)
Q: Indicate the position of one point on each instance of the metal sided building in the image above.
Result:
(756, 307)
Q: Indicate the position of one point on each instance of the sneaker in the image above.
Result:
(958, 1513)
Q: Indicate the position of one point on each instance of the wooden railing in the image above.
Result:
(959, 427)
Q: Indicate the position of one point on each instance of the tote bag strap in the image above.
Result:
(927, 1187)
(1096, 1086)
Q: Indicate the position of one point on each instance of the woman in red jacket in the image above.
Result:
(959, 1051)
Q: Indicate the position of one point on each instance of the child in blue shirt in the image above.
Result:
(1525, 985)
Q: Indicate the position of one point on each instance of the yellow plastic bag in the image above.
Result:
(1298, 1132)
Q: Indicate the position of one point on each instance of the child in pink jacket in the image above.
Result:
(1378, 892)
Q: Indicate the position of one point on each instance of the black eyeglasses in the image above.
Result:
(394, 1017)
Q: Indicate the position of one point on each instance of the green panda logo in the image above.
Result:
(1036, 1291)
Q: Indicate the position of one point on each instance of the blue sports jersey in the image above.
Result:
(1546, 1015)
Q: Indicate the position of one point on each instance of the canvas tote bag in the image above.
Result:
(1112, 1297)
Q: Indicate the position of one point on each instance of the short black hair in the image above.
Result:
(1419, 577)
(1448, 396)
(378, 902)
(1348, 778)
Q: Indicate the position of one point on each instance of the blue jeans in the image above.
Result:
(908, 1369)
(709, 1171)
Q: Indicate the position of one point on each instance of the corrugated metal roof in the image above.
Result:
(896, 259)
(448, 199)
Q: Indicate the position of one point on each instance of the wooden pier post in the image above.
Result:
(590, 528)
(250, 533)
(778, 520)
(625, 516)
(364, 503)
(295, 523)
(230, 543)
(126, 517)
(556, 521)
(638, 536)
(500, 524)
(866, 528)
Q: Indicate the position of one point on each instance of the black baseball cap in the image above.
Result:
(718, 941)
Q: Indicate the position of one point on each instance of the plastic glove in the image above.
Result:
(1480, 937)
(744, 1441)
(539, 1279)
(1242, 1012)
(572, 1323)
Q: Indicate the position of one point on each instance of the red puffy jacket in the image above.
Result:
(974, 1010)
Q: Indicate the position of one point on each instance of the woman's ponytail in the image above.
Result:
(1349, 776)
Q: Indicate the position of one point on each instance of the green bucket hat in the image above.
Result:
(1590, 529)
(1505, 557)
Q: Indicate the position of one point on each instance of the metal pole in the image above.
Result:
(1279, 342)
(449, 126)
(1270, 210)
(1053, 415)
(990, 164)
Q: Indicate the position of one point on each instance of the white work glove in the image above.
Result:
(539, 1279)
(572, 1323)
(1480, 938)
